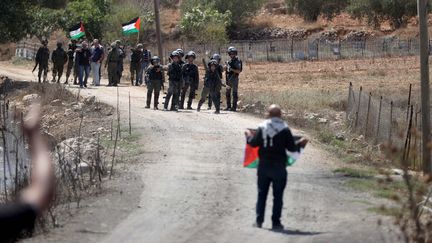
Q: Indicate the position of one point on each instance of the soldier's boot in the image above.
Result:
(189, 105)
(182, 100)
(235, 99)
(200, 103)
(39, 79)
(67, 80)
(209, 103)
(228, 100)
(156, 101)
(167, 99)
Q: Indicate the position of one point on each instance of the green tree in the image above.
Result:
(310, 10)
(240, 9)
(93, 13)
(204, 24)
(15, 20)
(44, 22)
(375, 11)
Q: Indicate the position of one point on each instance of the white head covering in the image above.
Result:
(271, 127)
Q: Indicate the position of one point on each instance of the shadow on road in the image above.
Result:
(295, 232)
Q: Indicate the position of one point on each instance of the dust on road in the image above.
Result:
(195, 189)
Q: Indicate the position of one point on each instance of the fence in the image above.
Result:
(383, 121)
(285, 50)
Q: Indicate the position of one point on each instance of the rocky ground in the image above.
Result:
(195, 189)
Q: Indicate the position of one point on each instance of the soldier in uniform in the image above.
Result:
(59, 58)
(42, 58)
(156, 78)
(71, 62)
(190, 76)
(212, 86)
(122, 55)
(234, 68)
(181, 52)
(175, 82)
(146, 56)
(135, 65)
(112, 64)
(220, 70)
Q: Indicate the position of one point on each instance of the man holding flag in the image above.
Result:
(273, 138)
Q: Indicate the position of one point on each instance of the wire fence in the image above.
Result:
(381, 120)
(284, 50)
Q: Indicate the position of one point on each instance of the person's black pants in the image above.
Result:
(278, 178)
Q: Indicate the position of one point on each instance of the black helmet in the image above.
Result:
(175, 54)
(213, 63)
(233, 50)
(181, 52)
(216, 57)
(44, 42)
(59, 44)
(190, 54)
(154, 59)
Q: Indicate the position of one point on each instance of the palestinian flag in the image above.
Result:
(132, 27)
(251, 159)
(77, 31)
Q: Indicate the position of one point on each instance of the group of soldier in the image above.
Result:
(183, 77)
(183, 73)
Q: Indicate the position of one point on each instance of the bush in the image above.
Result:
(239, 9)
(396, 11)
(204, 24)
(310, 10)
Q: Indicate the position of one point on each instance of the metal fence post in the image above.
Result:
(391, 122)
(267, 51)
(367, 114)
(379, 120)
(348, 111)
(409, 102)
(358, 107)
(292, 48)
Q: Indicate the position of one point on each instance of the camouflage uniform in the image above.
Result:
(233, 82)
(59, 59)
(212, 86)
(156, 78)
(113, 66)
(42, 58)
(190, 76)
(135, 65)
(71, 64)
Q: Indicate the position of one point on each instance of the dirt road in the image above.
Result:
(195, 189)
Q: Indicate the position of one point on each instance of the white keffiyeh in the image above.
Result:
(270, 128)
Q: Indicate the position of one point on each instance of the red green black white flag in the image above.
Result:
(77, 31)
(131, 27)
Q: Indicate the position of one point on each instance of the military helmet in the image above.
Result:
(181, 52)
(140, 46)
(213, 63)
(216, 57)
(175, 54)
(114, 44)
(190, 54)
(44, 42)
(118, 42)
(154, 59)
(59, 44)
(232, 49)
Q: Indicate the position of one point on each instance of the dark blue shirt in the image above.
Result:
(97, 54)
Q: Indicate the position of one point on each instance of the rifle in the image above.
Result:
(35, 67)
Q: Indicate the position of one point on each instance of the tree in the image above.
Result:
(310, 10)
(93, 13)
(240, 9)
(205, 24)
(44, 22)
(15, 20)
(375, 11)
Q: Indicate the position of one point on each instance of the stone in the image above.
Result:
(322, 121)
(340, 137)
(56, 102)
(31, 98)
(77, 107)
(90, 100)
(68, 112)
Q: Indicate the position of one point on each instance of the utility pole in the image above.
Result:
(425, 92)
(158, 31)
